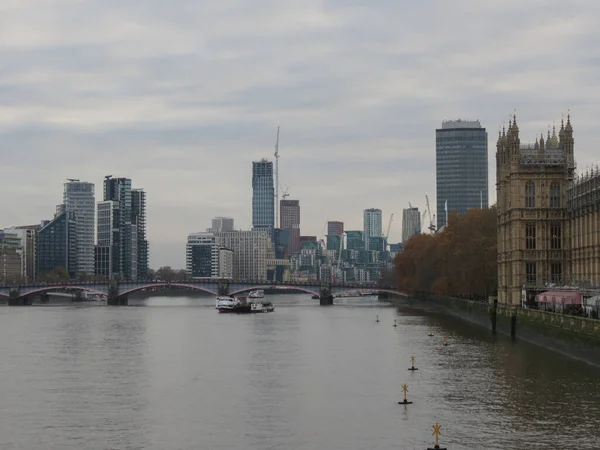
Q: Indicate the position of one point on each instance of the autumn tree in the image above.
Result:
(459, 261)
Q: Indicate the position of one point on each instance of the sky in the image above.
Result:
(182, 96)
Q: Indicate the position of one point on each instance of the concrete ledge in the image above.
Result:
(572, 336)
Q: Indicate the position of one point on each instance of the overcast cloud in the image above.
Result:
(180, 96)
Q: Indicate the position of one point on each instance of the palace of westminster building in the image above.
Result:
(548, 217)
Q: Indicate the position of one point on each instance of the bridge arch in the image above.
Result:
(279, 287)
(44, 289)
(180, 285)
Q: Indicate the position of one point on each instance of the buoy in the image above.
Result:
(405, 401)
(395, 324)
(436, 433)
(445, 340)
(430, 333)
(412, 364)
(377, 319)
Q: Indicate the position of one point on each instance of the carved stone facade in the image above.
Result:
(583, 203)
(533, 220)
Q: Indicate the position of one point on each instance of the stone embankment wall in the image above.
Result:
(576, 337)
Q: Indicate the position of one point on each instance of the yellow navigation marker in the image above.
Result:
(445, 340)
(412, 361)
(405, 401)
(436, 433)
(395, 324)
(430, 332)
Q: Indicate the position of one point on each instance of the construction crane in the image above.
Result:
(339, 258)
(277, 178)
(284, 193)
(431, 225)
(389, 226)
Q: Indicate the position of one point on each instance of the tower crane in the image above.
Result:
(284, 193)
(389, 226)
(431, 225)
(277, 178)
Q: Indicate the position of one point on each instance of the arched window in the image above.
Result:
(529, 195)
(555, 195)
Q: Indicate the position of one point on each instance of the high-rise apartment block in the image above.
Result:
(335, 228)
(138, 222)
(290, 221)
(57, 244)
(263, 197)
(122, 248)
(411, 223)
(371, 225)
(461, 168)
(78, 199)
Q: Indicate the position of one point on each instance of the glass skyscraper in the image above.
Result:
(461, 168)
(263, 196)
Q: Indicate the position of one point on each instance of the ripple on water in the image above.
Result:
(179, 377)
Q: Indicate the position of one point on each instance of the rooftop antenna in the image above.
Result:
(277, 180)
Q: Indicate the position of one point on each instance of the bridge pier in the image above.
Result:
(14, 299)
(223, 288)
(119, 300)
(325, 295)
(114, 299)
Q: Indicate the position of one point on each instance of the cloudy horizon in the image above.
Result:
(182, 97)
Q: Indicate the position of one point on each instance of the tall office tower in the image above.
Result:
(411, 223)
(220, 224)
(335, 228)
(372, 225)
(263, 197)
(56, 244)
(289, 212)
(78, 198)
(138, 221)
(121, 230)
(461, 156)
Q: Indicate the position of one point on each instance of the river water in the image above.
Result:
(172, 374)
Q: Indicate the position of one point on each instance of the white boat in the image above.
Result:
(259, 293)
(261, 306)
(227, 304)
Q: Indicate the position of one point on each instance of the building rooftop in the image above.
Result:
(459, 123)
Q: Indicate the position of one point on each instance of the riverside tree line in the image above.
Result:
(459, 261)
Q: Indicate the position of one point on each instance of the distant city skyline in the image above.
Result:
(183, 104)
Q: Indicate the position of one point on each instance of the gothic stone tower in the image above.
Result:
(531, 183)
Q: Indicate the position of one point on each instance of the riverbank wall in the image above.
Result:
(573, 336)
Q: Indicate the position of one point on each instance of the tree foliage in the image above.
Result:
(459, 261)
(56, 275)
(168, 274)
